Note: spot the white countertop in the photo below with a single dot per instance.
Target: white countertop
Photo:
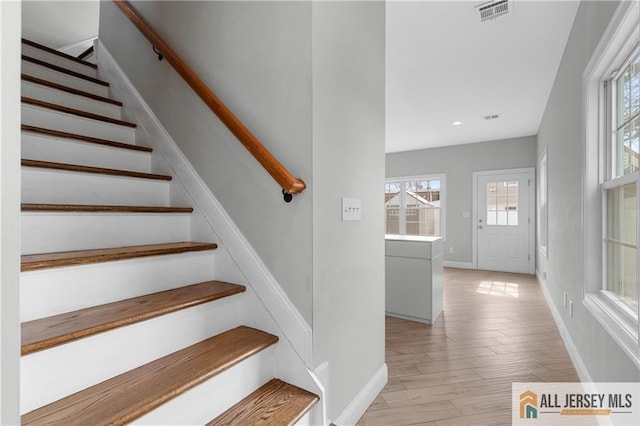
(418, 238)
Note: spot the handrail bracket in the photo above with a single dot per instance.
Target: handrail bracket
(160, 57)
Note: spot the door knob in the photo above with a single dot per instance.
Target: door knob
(479, 226)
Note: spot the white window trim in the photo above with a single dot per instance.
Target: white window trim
(443, 195)
(543, 188)
(617, 41)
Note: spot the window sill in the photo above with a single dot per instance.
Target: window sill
(619, 327)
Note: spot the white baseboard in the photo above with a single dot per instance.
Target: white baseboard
(364, 399)
(409, 318)
(578, 364)
(459, 265)
(287, 317)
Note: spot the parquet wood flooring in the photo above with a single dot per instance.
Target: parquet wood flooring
(496, 329)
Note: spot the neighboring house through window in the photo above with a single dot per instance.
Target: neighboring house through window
(611, 92)
(415, 205)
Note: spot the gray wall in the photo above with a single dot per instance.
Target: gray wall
(561, 132)
(458, 163)
(308, 79)
(47, 22)
(348, 160)
(256, 56)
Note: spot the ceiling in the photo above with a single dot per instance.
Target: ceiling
(444, 65)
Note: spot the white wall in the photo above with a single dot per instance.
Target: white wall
(458, 162)
(256, 56)
(9, 210)
(561, 132)
(308, 79)
(60, 23)
(348, 160)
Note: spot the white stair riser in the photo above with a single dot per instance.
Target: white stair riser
(54, 76)
(50, 148)
(70, 100)
(49, 375)
(213, 397)
(50, 292)
(308, 419)
(54, 59)
(56, 120)
(45, 186)
(52, 232)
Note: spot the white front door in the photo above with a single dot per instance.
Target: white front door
(503, 221)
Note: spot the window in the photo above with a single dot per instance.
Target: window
(543, 215)
(415, 206)
(502, 203)
(611, 92)
(620, 186)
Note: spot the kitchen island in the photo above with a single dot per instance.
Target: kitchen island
(414, 277)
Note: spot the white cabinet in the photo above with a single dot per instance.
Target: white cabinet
(414, 277)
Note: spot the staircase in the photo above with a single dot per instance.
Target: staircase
(123, 319)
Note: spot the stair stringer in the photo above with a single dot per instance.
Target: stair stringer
(265, 305)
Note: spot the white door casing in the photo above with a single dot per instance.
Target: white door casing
(503, 220)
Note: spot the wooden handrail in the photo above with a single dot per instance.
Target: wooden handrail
(289, 183)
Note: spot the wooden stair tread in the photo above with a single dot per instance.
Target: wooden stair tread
(83, 138)
(90, 169)
(275, 403)
(58, 53)
(64, 70)
(36, 80)
(55, 330)
(32, 262)
(126, 397)
(26, 207)
(77, 112)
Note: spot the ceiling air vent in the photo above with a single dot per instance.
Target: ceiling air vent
(493, 9)
(491, 117)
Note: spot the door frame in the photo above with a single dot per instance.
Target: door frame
(532, 212)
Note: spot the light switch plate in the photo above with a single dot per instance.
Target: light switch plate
(351, 209)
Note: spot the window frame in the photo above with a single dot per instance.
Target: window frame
(443, 185)
(613, 302)
(543, 203)
(616, 46)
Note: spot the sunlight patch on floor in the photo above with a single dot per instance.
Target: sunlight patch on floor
(498, 288)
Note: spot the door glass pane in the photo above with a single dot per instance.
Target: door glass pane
(622, 245)
(512, 204)
(502, 203)
(492, 203)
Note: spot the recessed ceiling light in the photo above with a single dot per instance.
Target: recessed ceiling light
(456, 123)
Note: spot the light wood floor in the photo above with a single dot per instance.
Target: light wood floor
(496, 329)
